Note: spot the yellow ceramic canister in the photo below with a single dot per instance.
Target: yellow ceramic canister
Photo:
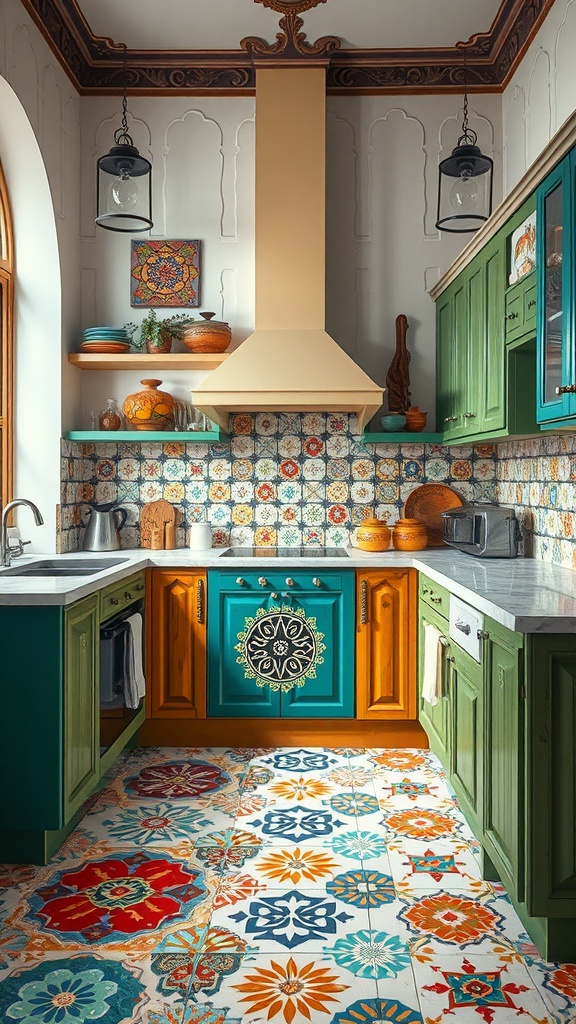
(409, 535)
(373, 535)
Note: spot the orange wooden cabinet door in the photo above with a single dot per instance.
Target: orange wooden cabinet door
(177, 643)
(386, 643)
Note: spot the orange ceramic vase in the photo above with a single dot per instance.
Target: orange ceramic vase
(409, 535)
(207, 335)
(373, 535)
(415, 420)
(150, 409)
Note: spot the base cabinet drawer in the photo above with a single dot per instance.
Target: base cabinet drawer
(279, 644)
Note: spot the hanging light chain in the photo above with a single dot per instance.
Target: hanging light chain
(469, 136)
(122, 135)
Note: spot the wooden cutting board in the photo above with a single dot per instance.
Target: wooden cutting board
(157, 516)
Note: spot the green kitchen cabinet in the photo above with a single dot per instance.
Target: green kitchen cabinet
(467, 735)
(280, 644)
(435, 719)
(504, 782)
(81, 703)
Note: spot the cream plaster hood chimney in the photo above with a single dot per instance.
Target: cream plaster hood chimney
(289, 363)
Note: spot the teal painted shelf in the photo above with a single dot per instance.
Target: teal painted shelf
(403, 436)
(185, 436)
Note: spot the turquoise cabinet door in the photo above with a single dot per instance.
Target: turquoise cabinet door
(280, 648)
(81, 703)
(554, 243)
(504, 787)
(467, 735)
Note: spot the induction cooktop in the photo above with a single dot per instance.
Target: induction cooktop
(304, 552)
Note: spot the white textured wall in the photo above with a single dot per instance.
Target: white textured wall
(542, 93)
(39, 151)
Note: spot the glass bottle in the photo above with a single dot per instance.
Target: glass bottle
(109, 418)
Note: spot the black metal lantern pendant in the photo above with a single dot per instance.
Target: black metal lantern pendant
(124, 182)
(464, 182)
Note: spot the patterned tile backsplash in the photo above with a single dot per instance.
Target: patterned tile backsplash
(297, 479)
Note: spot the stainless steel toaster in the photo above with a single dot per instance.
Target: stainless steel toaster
(487, 531)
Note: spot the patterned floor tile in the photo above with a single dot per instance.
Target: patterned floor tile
(557, 986)
(301, 824)
(445, 921)
(301, 867)
(425, 865)
(284, 920)
(479, 988)
(291, 989)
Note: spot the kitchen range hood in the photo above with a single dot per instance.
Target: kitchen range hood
(289, 363)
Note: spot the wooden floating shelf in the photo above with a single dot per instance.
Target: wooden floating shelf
(114, 436)
(147, 361)
(402, 437)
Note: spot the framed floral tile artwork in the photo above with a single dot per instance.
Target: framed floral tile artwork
(165, 273)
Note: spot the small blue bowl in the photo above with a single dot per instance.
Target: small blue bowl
(393, 422)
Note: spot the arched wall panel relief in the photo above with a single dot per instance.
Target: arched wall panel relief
(515, 145)
(193, 200)
(228, 295)
(539, 119)
(23, 75)
(243, 248)
(564, 67)
(52, 137)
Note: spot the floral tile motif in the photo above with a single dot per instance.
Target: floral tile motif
(303, 866)
(418, 865)
(149, 825)
(176, 780)
(450, 919)
(73, 990)
(299, 824)
(293, 989)
(283, 920)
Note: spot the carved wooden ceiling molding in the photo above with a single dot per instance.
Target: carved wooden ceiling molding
(95, 63)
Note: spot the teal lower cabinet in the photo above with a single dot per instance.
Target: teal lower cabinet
(280, 645)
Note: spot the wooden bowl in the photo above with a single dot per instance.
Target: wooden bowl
(207, 335)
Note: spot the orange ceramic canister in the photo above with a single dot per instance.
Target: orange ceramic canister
(373, 535)
(409, 535)
(150, 409)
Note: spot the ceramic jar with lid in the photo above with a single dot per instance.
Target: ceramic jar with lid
(415, 419)
(207, 335)
(373, 535)
(409, 535)
(150, 409)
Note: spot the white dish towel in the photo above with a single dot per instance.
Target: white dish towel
(135, 683)
(433, 658)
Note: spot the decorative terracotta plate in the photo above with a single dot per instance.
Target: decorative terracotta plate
(105, 346)
(426, 503)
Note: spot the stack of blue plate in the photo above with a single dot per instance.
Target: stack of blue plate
(105, 339)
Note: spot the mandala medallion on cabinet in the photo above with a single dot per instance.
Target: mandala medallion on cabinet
(280, 647)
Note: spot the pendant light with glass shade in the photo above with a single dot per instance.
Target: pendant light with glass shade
(464, 181)
(124, 182)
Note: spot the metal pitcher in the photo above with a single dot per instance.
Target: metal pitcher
(103, 530)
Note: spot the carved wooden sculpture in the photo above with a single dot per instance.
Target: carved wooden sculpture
(398, 378)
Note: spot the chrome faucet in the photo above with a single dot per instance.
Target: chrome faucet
(4, 545)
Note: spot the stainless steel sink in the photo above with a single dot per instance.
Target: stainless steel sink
(60, 567)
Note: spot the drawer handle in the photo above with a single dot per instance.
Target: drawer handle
(436, 600)
(469, 415)
(531, 303)
(114, 600)
(262, 581)
(316, 581)
(569, 389)
(240, 581)
(512, 316)
(139, 588)
(364, 603)
(127, 595)
(289, 581)
(200, 602)
(464, 627)
(450, 419)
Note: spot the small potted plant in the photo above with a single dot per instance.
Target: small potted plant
(156, 335)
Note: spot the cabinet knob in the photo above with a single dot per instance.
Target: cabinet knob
(436, 600)
(450, 419)
(114, 600)
(469, 415)
(317, 581)
(569, 389)
(512, 316)
(240, 581)
(531, 303)
(262, 581)
(289, 581)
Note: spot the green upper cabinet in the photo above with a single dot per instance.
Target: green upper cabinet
(470, 348)
(555, 237)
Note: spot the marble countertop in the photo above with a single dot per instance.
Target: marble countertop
(524, 594)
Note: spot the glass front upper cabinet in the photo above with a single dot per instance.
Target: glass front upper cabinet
(555, 235)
